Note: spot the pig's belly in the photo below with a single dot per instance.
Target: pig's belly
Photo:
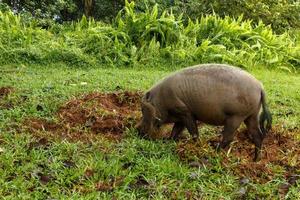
(211, 116)
(216, 113)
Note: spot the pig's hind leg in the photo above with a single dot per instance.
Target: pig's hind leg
(231, 125)
(257, 136)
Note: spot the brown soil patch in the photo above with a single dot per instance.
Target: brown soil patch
(5, 91)
(280, 155)
(109, 114)
(89, 116)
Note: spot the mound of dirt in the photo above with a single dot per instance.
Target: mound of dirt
(280, 155)
(95, 113)
(110, 112)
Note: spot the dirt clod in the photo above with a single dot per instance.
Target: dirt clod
(69, 164)
(5, 91)
(88, 173)
(44, 179)
(106, 186)
(42, 142)
(140, 182)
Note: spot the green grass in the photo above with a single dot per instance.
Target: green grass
(148, 169)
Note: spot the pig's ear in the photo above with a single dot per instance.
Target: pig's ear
(148, 110)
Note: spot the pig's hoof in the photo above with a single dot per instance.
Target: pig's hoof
(195, 138)
(257, 158)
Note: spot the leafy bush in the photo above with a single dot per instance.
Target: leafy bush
(281, 15)
(147, 38)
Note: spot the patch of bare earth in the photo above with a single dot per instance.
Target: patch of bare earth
(109, 114)
(4, 92)
(280, 155)
(90, 116)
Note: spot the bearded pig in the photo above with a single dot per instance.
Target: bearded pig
(216, 94)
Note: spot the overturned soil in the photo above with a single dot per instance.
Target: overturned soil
(280, 155)
(109, 114)
(83, 118)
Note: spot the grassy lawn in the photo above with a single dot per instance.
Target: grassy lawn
(130, 167)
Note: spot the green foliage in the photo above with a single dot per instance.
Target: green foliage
(46, 9)
(281, 15)
(142, 27)
(65, 10)
(147, 38)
